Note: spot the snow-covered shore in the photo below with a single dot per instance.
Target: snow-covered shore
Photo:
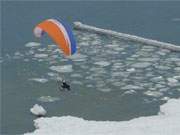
(167, 122)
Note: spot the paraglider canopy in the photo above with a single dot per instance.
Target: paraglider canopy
(61, 34)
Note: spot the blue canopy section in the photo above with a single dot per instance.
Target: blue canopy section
(71, 37)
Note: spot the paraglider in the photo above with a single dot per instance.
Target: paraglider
(60, 33)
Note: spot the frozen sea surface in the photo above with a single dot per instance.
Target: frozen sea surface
(108, 64)
(167, 122)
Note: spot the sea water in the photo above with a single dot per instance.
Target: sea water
(111, 79)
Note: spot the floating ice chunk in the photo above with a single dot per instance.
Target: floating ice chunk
(62, 69)
(83, 44)
(77, 82)
(163, 67)
(177, 77)
(90, 86)
(78, 57)
(56, 51)
(118, 49)
(141, 65)
(95, 42)
(31, 52)
(100, 84)
(157, 86)
(154, 93)
(102, 63)
(52, 74)
(177, 68)
(41, 55)
(105, 89)
(112, 45)
(52, 46)
(161, 53)
(48, 99)
(76, 75)
(26, 60)
(18, 55)
(41, 49)
(131, 70)
(178, 63)
(32, 44)
(165, 123)
(132, 87)
(148, 59)
(174, 59)
(117, 84)
(165, 98)
(38, 110)
(54, 56)
(41, 80)
(157, 79)
(130, 92)
(172, 80)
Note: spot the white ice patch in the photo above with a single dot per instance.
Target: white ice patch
(77, 82)
(48, 99)
(78, 57)
(132, 87)
(153, 93)
(76, 75)
(18, 55)
(149, 59)
(41, 80)
(167, 122)
(41, 49)
(102, 63)
(157, 79)
(52, 74)
(38, 110)
(172, 81)
(32, 44)
(105, 89)
(41, 55)
(130, 92)
(131, 70)
(62, 69)
(141, 65)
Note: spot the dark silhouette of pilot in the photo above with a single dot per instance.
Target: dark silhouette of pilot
(63, 85)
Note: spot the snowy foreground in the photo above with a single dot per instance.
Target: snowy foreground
(167, 122)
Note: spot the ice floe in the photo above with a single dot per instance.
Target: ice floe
(132, 87)
(62, 69)
(41, 80)
(167, 122)
(41, 55)
(78, 57)
(130, 92)
(102, 63)
(48, 99)
(131, 70)
(153, 93)
(141, 65)
(32, 44)
(38, 110)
